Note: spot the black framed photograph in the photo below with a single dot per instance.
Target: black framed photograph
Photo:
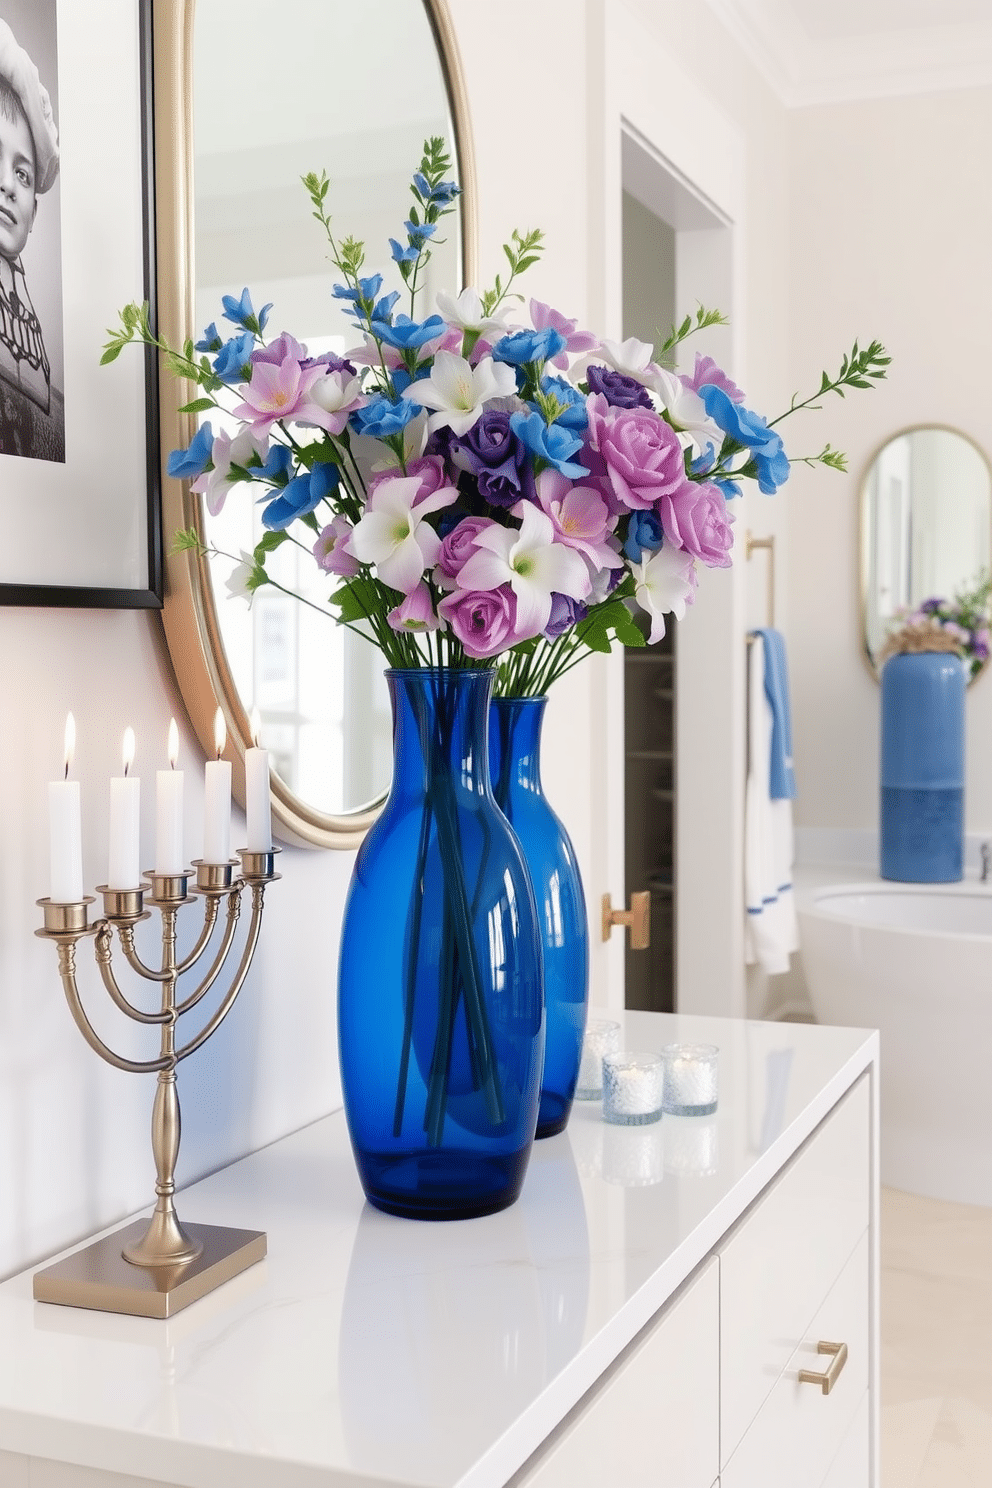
(79, 445)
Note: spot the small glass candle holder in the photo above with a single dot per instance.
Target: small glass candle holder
(632, 1088)
(601, 1037)
(690, 1079)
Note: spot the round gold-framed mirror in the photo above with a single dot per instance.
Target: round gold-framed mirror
(195, 615)
(925, 530)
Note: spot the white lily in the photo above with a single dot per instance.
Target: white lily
(457, 391)
(393, 534)
(664, 584)
(531, 562)
(236, 582)
(466, 313)
(686, 409)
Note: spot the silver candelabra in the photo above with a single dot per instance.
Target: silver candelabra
(155, 1269)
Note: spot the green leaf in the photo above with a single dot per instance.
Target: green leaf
(198, 405)
(270, 542)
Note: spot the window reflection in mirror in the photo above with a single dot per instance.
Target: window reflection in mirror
(926, 526)
(360, 109)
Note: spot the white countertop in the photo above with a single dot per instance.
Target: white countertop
(369, 1350)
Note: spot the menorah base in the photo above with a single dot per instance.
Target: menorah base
(100, 1278)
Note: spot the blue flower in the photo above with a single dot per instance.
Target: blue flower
(301, 495)
(576, 415)
(367, 289)
(189, 463)
(405, 334)
(419, 232)
(644, 534)
(750, 431)
(552, 444)
(383, 309)
(276, 466)
(410, 254)
(232, 362)
(444, 193)
(242, 312)
(212, 339)
(529, 346)
(380, 418)
(729, 488)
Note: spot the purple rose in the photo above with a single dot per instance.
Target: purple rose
(696, 519)
(565, 612)
(430, 469)
(484, 620)
(494, 455)
(459, 544)
(619, 390)
(641, 453)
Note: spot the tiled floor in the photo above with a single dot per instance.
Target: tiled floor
(936, 1343)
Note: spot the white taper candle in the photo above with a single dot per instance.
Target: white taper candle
(65, 832)
(124, 871)
(169, 812)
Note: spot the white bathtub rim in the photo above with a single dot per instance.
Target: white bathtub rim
(963, 889)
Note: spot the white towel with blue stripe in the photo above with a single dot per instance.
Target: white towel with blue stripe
(771, 931)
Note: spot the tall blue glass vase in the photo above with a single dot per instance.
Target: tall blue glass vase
(440, 1002)
(515, 761)
(922, 768)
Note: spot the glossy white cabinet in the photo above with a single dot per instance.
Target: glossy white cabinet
(578, 1329)
(655, 1417)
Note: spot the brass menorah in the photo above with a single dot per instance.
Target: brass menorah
(155, 1269)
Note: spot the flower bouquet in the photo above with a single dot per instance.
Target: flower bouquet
(960, 624)
(491, 492)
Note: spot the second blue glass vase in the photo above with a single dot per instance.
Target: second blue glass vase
(515, 761)
(440, 1004)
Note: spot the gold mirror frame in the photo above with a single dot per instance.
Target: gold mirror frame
(189, 616)
(864, 562)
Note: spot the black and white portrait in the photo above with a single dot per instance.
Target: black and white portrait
(32, 408)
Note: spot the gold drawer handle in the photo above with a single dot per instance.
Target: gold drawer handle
(831, 1374)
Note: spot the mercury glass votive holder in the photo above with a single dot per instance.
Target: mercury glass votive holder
(601, 1037)
(691, 1084)
(632, 1088)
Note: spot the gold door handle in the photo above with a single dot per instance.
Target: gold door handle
(831, 1374)
(637, 918)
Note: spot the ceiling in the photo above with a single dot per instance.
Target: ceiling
(830, 51)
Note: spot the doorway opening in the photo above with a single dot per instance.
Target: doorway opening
(676, 253)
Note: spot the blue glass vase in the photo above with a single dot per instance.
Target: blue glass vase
(440, 1003)
(922, 768)
(515, 761)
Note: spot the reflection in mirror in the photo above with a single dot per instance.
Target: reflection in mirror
(926, 526)
(318, 688)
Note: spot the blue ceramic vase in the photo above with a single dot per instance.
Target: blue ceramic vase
(515, 761)
(440, 1004)
(922, 768)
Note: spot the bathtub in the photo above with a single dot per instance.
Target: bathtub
(915, 962)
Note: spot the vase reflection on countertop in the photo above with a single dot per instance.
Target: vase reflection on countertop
(424, 1342)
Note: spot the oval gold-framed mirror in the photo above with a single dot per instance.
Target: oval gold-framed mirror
(925, 528)
(193, 618)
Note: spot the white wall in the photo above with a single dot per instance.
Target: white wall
(891, 218)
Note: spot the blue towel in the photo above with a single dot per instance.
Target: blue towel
(782, 781)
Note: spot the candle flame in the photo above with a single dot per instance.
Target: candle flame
(256, 727)
(173, 744)
(127, 750)
(70, 741)
(220, 732)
